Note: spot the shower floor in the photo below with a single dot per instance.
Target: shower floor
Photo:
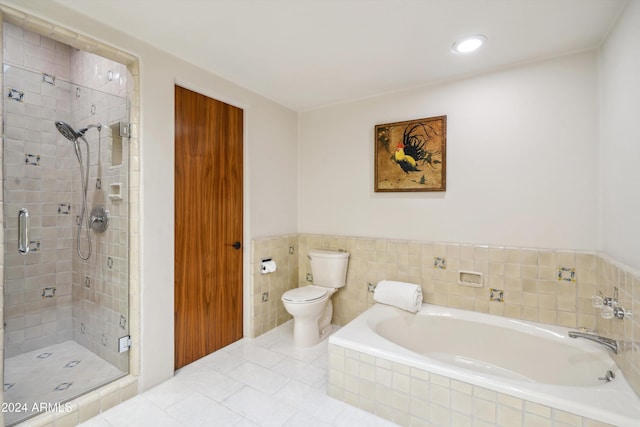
(52, 374)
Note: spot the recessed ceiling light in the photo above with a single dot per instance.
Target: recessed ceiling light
(469, 43)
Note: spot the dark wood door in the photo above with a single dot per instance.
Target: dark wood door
(208, 225)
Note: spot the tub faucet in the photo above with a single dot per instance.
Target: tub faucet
(607, 342)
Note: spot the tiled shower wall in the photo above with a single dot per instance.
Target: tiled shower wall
(38, 177)
(90, 303)
(548, 286)
(100, 284)
(106, 397)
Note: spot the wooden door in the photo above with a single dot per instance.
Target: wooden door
(208, 225)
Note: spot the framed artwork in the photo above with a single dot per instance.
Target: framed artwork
(411, 155)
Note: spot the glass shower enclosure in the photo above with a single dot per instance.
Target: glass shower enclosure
(66, 241)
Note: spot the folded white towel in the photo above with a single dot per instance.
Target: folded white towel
(406, 296)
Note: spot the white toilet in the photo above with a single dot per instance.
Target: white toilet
(311, 305)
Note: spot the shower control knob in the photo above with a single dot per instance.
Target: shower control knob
(99, 219)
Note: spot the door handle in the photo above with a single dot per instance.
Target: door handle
(23, 231)
(236, 245)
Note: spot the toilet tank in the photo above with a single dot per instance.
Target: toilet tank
(329, 268)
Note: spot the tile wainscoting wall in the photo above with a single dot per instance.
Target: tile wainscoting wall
(548, 286)
(266, 315)
(612, 274)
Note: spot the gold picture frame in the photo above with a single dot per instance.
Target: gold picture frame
(411, 155)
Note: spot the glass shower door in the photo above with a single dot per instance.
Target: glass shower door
(66, 294)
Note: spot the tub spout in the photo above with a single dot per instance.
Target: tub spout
(607, 342)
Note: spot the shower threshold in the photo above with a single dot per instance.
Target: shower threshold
(43, 380)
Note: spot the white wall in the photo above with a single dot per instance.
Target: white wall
(620, 139)
(522, 161)
(269, 128)
(271, 133)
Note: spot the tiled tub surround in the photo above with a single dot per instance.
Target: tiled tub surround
(412, 396)
(548, 286)
(612, 275)
(528, 277)
(373, 358)
(98, 400)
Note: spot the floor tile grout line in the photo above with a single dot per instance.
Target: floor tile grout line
(313, 402)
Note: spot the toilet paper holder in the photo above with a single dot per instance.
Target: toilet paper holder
(267, 266)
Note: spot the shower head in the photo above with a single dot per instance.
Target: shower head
(68, 132)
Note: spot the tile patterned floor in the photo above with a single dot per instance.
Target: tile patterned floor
(265, 381)
(52, 374)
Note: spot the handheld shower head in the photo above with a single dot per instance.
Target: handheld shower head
(72, 135)
(68, 132)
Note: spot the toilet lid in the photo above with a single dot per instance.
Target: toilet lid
(304, 294)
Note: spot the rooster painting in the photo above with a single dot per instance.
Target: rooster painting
(412, 148)
(406, 162)
(416, 154)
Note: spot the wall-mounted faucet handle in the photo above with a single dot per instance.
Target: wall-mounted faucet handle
(99, 219)
(597, 301)
(621, 313)
(606, 312)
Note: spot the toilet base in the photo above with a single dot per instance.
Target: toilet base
(305, 333)
(309, 332)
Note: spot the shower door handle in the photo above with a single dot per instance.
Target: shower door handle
(23, 231)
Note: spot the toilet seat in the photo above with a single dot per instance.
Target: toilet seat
(305, 294)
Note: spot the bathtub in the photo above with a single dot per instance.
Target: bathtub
(444, 366)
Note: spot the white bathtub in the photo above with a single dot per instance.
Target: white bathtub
(531, 361)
